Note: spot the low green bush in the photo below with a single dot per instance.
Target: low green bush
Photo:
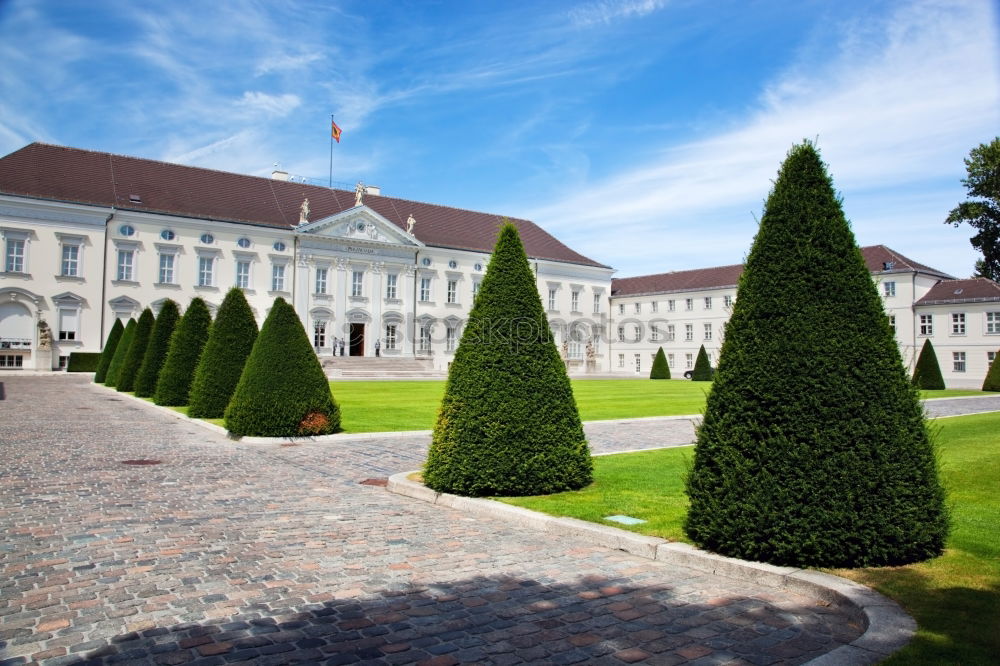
(927, 372)
(660, 369)
(83, 361)
(992, 381)
(702, 367)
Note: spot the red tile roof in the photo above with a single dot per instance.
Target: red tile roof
(878, 258)
(972, 290)
(81, 176)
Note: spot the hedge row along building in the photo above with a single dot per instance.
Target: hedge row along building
(91, 237)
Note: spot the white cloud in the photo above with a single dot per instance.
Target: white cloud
(284, 62)
(608, 11)
(275, 106)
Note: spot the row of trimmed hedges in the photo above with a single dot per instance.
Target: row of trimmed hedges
(83, 361)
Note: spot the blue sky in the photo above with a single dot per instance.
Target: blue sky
(643, 133)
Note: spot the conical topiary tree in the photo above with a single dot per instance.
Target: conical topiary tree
(229, 343)
(813, 450)
(156, 350)
(702, 367)
(927, 372)
(660, 369)
(136, 351)
(109, 351)
(174, 382)
(283, 391)
(508, 424)
(992, 381)
(115, 367)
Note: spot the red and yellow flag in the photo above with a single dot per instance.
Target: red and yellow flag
(334, 131)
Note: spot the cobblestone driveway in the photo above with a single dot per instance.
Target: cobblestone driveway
(226, 552)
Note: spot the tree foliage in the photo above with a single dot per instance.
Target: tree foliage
(282, 391)
(927, 372)
(983, 212)
(108, 353)
(992, 381)
(229, 344)
(813, 450)
(124, 342)
(508, 424)
(702, 367)
(660, 369)
(156, 350)
(186, 343)
(136, 351)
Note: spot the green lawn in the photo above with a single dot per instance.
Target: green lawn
(955, 598)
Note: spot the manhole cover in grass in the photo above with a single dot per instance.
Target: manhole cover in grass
(141, 461)
(375, 482)
(625, 520)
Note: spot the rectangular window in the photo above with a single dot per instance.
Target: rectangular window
(425, 289)
(637, 334)
(390, 336)
(671, 333)
(708, 331)
(475, 291)
(357, 283)
(15, 256)
(126, 264)
(319, 334)
(391, 280)
(68, 324)
(621, 334)
(654, 306)
(166, 275)
(321, 275)
(552, 299)
(689, 332)
(206, 273)
(689, 304)
(889, 288)
(425, 338)
(958, 323)
(11, 361)
(453, 291)
(892, 323)
(654, 333)
(621, 360)
(621, 308)
(670, 360)
(992, 322)
(688, 361)
(638, 308)
(671, 305)
(927, 325)
(597, 304)
(990, 357)
(278, 277)
(727, 301)
(708, 302)
(449, 338)
(638, 362)
(71, 260)
(243, 274)
(958, 361)
(574, 301)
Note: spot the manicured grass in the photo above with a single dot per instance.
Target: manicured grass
(955, 598)
(954, 393)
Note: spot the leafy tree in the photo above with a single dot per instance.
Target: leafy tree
(927, 372)
(702, 367)
(115, 367)
(813, 450)
(982, 213)
(660, 369)
(229, 344)
(108, 352)
(186, 343)
(508, 424)
(283, 391)
(133, 359)
(992, 381)
(156, 350)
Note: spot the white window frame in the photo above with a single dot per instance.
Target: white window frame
(688, 332)
(357, 284)
(450, 338)
(992, 323)
(670, 360)
(206, 270)
(958, 323)
(425, 289)
(889, 288)
(671, 333)
(689, 304)
(242, 279)
(319, 333)
(69, 333)
(621, 308)
(892, 323)
(163, 271)
(708, 330)
(621, 360)
(654, 333)
(621, 334)
(574, 301)
(708, 302)
(654, 306)
(638, 308)
(69, 266)
(391, 285)
(597, 303)
(452, 293)
(424, 342)
(688, 361)
(927, 325)
(958, 361)
(15, 255)
(125, 270)
(671, 305)
(727, 301)
(552, 300)
(322, 280)
(637, 333)
(278, 276)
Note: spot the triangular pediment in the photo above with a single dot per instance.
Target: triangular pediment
(359, 224)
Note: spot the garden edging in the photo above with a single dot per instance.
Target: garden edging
(887, 627)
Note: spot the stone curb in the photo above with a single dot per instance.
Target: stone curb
(887, 627)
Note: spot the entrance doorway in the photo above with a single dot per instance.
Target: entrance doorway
(357, 340)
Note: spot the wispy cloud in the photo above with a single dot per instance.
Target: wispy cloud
(608, 11)
(275, 106)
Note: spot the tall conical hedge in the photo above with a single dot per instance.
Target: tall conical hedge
(660, 369)
(283, 391)
(813, 450)
(508, 424)
(136, 351)
(108, 352)
(229, 343)
(992, 381)
(186, 343)
(702, 367)
(156, 350)
(927, 372)
(115, 367)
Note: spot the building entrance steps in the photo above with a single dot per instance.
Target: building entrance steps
(379, 367)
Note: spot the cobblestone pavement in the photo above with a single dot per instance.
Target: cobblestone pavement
(226, 552)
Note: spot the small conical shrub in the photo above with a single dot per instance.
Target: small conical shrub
(109, 351)
(813, 450)
(115, 367)
(136, 351)
(508, 424)
(283, 391)
(156, 350)
(186, 343)
(660, 369)
(927, 372)
(229, 344)
(992, 381)
(702, 367)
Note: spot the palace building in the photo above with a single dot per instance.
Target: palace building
(90, 237)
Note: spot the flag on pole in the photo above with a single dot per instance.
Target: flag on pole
(334, 131)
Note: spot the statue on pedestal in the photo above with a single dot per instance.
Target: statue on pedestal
(304, 212)
(44, 336)
(359, 193)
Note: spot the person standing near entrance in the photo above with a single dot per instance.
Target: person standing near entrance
(378, 346)
(341, 346)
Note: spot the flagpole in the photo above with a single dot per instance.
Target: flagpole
(331, 152)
